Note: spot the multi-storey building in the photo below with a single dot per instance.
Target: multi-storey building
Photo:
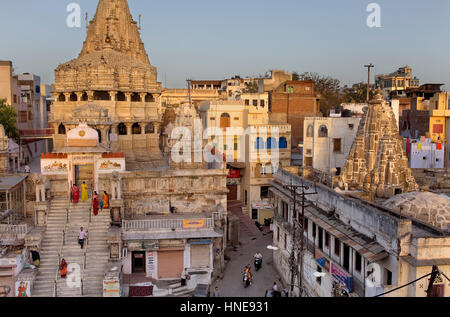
(397, 82)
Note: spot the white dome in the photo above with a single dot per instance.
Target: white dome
(82, 136)
(425, 206)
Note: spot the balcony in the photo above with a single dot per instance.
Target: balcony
(13, 234)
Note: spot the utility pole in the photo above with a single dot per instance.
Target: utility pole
(368, 81)
(434, 275)
(298, 247)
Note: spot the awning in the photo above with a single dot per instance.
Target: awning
(9, 182)
(372, 251)
(13, 147)
(194, 234)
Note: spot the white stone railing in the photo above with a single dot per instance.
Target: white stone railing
(164, 224)
(19, 231)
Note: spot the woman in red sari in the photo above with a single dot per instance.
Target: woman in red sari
(63, 268)
(95, 206)
(75, 194)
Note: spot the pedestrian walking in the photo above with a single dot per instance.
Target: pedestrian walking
(184, 277)
(81, 237)
(216, 292)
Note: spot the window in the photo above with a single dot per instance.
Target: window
(282, 144)
(136, 128)
(320, 238)
(263, 103)
(271, 143)
(254, 214)
(346, 263)
(327, 239)
(337, 145)
(264, 192)
(225, 120)
(245, 197)
(337, 247)
(438, 128)
(310, 131)
(290, 89)
(255, 103)
(149, 128)
(122, 129)
(314, 231)
(358, 260)
(247, 102)
(259, 144)
(285, 241)
(30, 115)
(388, 277)
(15, 98)
(306, 225)
(323, 131)
(23, 116)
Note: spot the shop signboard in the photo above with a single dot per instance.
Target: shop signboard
(342, 277)
(23, 289)
(322, 260)
(111, 288)
(194, 224)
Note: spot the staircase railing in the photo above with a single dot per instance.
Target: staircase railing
(85, 253)
(63, 243)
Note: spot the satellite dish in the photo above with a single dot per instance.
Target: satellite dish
(272, 247)
(319, 274)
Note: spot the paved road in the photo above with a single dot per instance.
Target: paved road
(231, 285)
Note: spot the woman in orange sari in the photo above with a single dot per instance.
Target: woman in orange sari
(105, 200)
(63, 268)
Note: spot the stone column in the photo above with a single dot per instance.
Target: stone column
(143, 94)
(90, 94)
(143, 125)
(156, 126)
(79, 96)
(67, 95)
(128, 96)
(129, 128)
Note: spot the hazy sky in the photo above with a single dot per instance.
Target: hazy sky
(211, 39)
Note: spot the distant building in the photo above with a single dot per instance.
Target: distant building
(439, 106)
(291, 102)
(397, 82)
(327, 143)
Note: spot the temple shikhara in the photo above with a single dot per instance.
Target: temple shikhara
(377, 163)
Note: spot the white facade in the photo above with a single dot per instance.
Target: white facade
(327, 142)
(425, 154)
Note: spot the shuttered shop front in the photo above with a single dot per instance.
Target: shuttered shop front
(200, 253)
(170, 263)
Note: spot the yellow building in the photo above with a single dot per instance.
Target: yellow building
(439, 120)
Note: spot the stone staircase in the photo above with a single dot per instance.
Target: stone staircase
(91, 262)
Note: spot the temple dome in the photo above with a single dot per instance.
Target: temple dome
(428, 207)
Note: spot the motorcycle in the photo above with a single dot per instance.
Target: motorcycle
(258, 263)
(246, 280)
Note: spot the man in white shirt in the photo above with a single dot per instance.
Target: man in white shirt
(81, 237)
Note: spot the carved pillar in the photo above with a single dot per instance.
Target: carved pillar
(90, 94)
(156, 126)
(79, 96)
(67, 96)
(128, 96)
(143, 94)
(143, 125)
(129, 128)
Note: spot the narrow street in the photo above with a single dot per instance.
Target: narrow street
(251, 241)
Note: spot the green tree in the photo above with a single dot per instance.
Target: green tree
(250, 88)
(327, 87)
(8, 118)
(358, 93)
(295, 76)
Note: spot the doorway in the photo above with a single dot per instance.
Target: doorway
(84, 173)
(138, 262)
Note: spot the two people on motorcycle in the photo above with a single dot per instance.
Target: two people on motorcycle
(248, 273)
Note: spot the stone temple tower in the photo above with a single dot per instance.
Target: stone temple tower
(111, 86)
(377, 163)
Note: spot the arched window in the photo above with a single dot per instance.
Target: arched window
(62, 98)
(122, 128)
(149, 128)
(149, 98)
(259, 144)
(101, 95)
(84, 97)
(225, 121)
(283, 143)
(136, 129)
(323, 131)
(120, 96)
(135, 97)
(73, 97)
(61, 129)
(310, 131)
(271, 143)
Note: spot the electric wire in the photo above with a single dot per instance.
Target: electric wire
(395, 289)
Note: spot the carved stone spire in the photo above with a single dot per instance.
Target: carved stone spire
(377, 163)
(114, 28)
